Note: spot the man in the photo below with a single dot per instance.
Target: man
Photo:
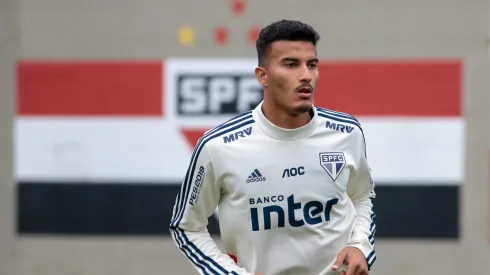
(291, 181)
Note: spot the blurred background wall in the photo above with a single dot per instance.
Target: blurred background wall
(97, 137)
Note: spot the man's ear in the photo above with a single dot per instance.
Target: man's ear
(261, 75)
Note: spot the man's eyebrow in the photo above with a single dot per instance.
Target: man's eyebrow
(289, 59)
(292, 59)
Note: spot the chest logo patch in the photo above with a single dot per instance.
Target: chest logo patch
(333, 163)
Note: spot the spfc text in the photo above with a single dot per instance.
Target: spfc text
(217, 94)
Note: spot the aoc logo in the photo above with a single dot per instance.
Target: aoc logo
(333, 163)
(293, 172)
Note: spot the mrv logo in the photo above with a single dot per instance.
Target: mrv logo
(339, 127)
(240, 134)
(217, 93)
(314, 212)
(333, 163)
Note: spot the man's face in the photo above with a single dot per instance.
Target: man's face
(292, 75)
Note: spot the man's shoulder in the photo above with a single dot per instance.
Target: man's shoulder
(338, 121)
(230, 130)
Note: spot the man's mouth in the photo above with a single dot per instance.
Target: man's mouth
(305, 91)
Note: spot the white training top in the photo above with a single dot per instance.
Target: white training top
(288, 199)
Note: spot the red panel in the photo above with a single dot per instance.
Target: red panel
(58, 88)
(391, 88)
(193, 135)
(234, 258)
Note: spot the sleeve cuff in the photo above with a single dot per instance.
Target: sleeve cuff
(367, 250)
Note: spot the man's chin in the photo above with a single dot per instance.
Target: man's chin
(303, 107)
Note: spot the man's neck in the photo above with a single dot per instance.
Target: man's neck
(283, 119)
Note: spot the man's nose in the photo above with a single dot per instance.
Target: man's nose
(305, 74)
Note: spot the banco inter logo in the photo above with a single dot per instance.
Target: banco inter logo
(255, 177)
(217, 93)
(313, 212)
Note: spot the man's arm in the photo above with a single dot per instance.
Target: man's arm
(198, 198)
(361, 191)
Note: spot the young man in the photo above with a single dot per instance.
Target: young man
(293, 190)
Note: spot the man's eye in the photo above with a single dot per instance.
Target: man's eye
(290, 65)
(313, 65)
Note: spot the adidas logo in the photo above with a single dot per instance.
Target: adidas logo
(255, 177)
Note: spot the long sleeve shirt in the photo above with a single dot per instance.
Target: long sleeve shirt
(288, 200)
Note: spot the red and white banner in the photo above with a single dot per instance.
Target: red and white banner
(138, 120)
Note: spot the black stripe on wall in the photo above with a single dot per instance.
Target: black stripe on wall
(145, 209)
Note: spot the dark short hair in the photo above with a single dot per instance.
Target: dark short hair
(288, 30)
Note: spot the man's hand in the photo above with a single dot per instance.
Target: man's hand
(354, 259)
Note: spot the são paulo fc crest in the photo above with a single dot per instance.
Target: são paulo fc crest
(333, 163)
